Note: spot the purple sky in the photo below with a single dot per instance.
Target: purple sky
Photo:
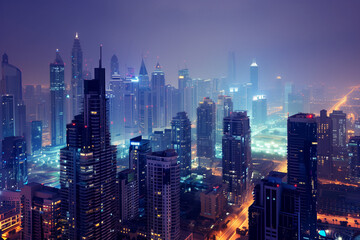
(304, 41)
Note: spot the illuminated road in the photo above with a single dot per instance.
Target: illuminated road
(238, 221)
(343, 100)
(325, 181)
(333, 219)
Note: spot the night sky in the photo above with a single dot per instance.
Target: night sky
(304, 41)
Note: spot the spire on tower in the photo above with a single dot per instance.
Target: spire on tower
(100, 56)
(143, 70)
(76, 35)
(158, 67)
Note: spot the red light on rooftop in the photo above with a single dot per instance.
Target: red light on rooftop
(73, 124)
(309, 116)
(277, 185)
(295, 185)
(85, 126)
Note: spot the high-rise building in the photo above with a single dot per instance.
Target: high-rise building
(205, 129)
(8, 116)
(172, 106)
(295, 103)
(288, 89)
(116, 108)
(137, 161)
(114, 65)
(77, 81)
(324, 147)
(302, 168)
(259, 109)
(254, 79)
(129, 196)
(11, 84)
(338, 120)
(184, 82)
(10, 215)
(158, 97)
(181, 141)
(275, 212)
(57, 94)
(88, 168)
(40, 212)
(224, 108)
(231, 75)
(36, 136)
(163, 195)
(160, 140)
(145, 107)
(236, 160)
(14, 171)
(354, 157)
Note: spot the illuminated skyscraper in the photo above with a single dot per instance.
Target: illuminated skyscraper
(114, 65)
(158, 97)
(163, 195)
(145, 107)
(254, 79)
(302, 169)
(236, 149)
(13, 164)
(259, 110)
(8, 116)
(129, 195)
(88, 168)
(36, 136)
(338, 120)
(57, 94)
(205, 129)
(77, 82)
(354, 156)
(324, 147)
(181, 141)
(224, 107)
(143, 76)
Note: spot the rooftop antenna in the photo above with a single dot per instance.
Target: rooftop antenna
(100, 56)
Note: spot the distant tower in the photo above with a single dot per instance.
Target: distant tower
(338, 120)
(354, 155)
(145, 106)
(231, 77)
(254, 79)
(158, 97)
(181, 141)
(205, 128)
(302, 169)
(236, 149)
(8, 116)
(13, 164)
(36, 136)
(88, 168)
(57, 94)
(163, 195)
(77, 81)
(259, 109)
(114, 65)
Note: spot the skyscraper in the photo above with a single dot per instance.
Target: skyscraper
(8, 116)
(275, 212)
(160, 140)
(129, 195)
(36, 136)
(145, 106)
(181, 141)
(158, 97)
(354, 156)
(77, 82)
(163, 195)
(114, 65)
(57, 94)
(205, 129)
(259, 109)
(184, 81)
(302, 168)
(172, 103)
(137, 161)
(88, 168)
(338, 120)
(224, 107)
(13, 165)
(254, 79)
(324, 147)
(11, 84)
(236, 149)
(40, 212)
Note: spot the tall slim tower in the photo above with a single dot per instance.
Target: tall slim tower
(338, 120)
(145, 106)
(158, 97)
(205, 129)
(224, 107)
(236, 148)
(77, 82)
(324, 147)
(163, 195)
(114, 65)
(181, 141)
(254, 79)
(57, 94)
(8, 116)
(88, 168)
(302, 168)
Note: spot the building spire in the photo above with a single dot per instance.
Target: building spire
(76, 35)
(100, 56)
